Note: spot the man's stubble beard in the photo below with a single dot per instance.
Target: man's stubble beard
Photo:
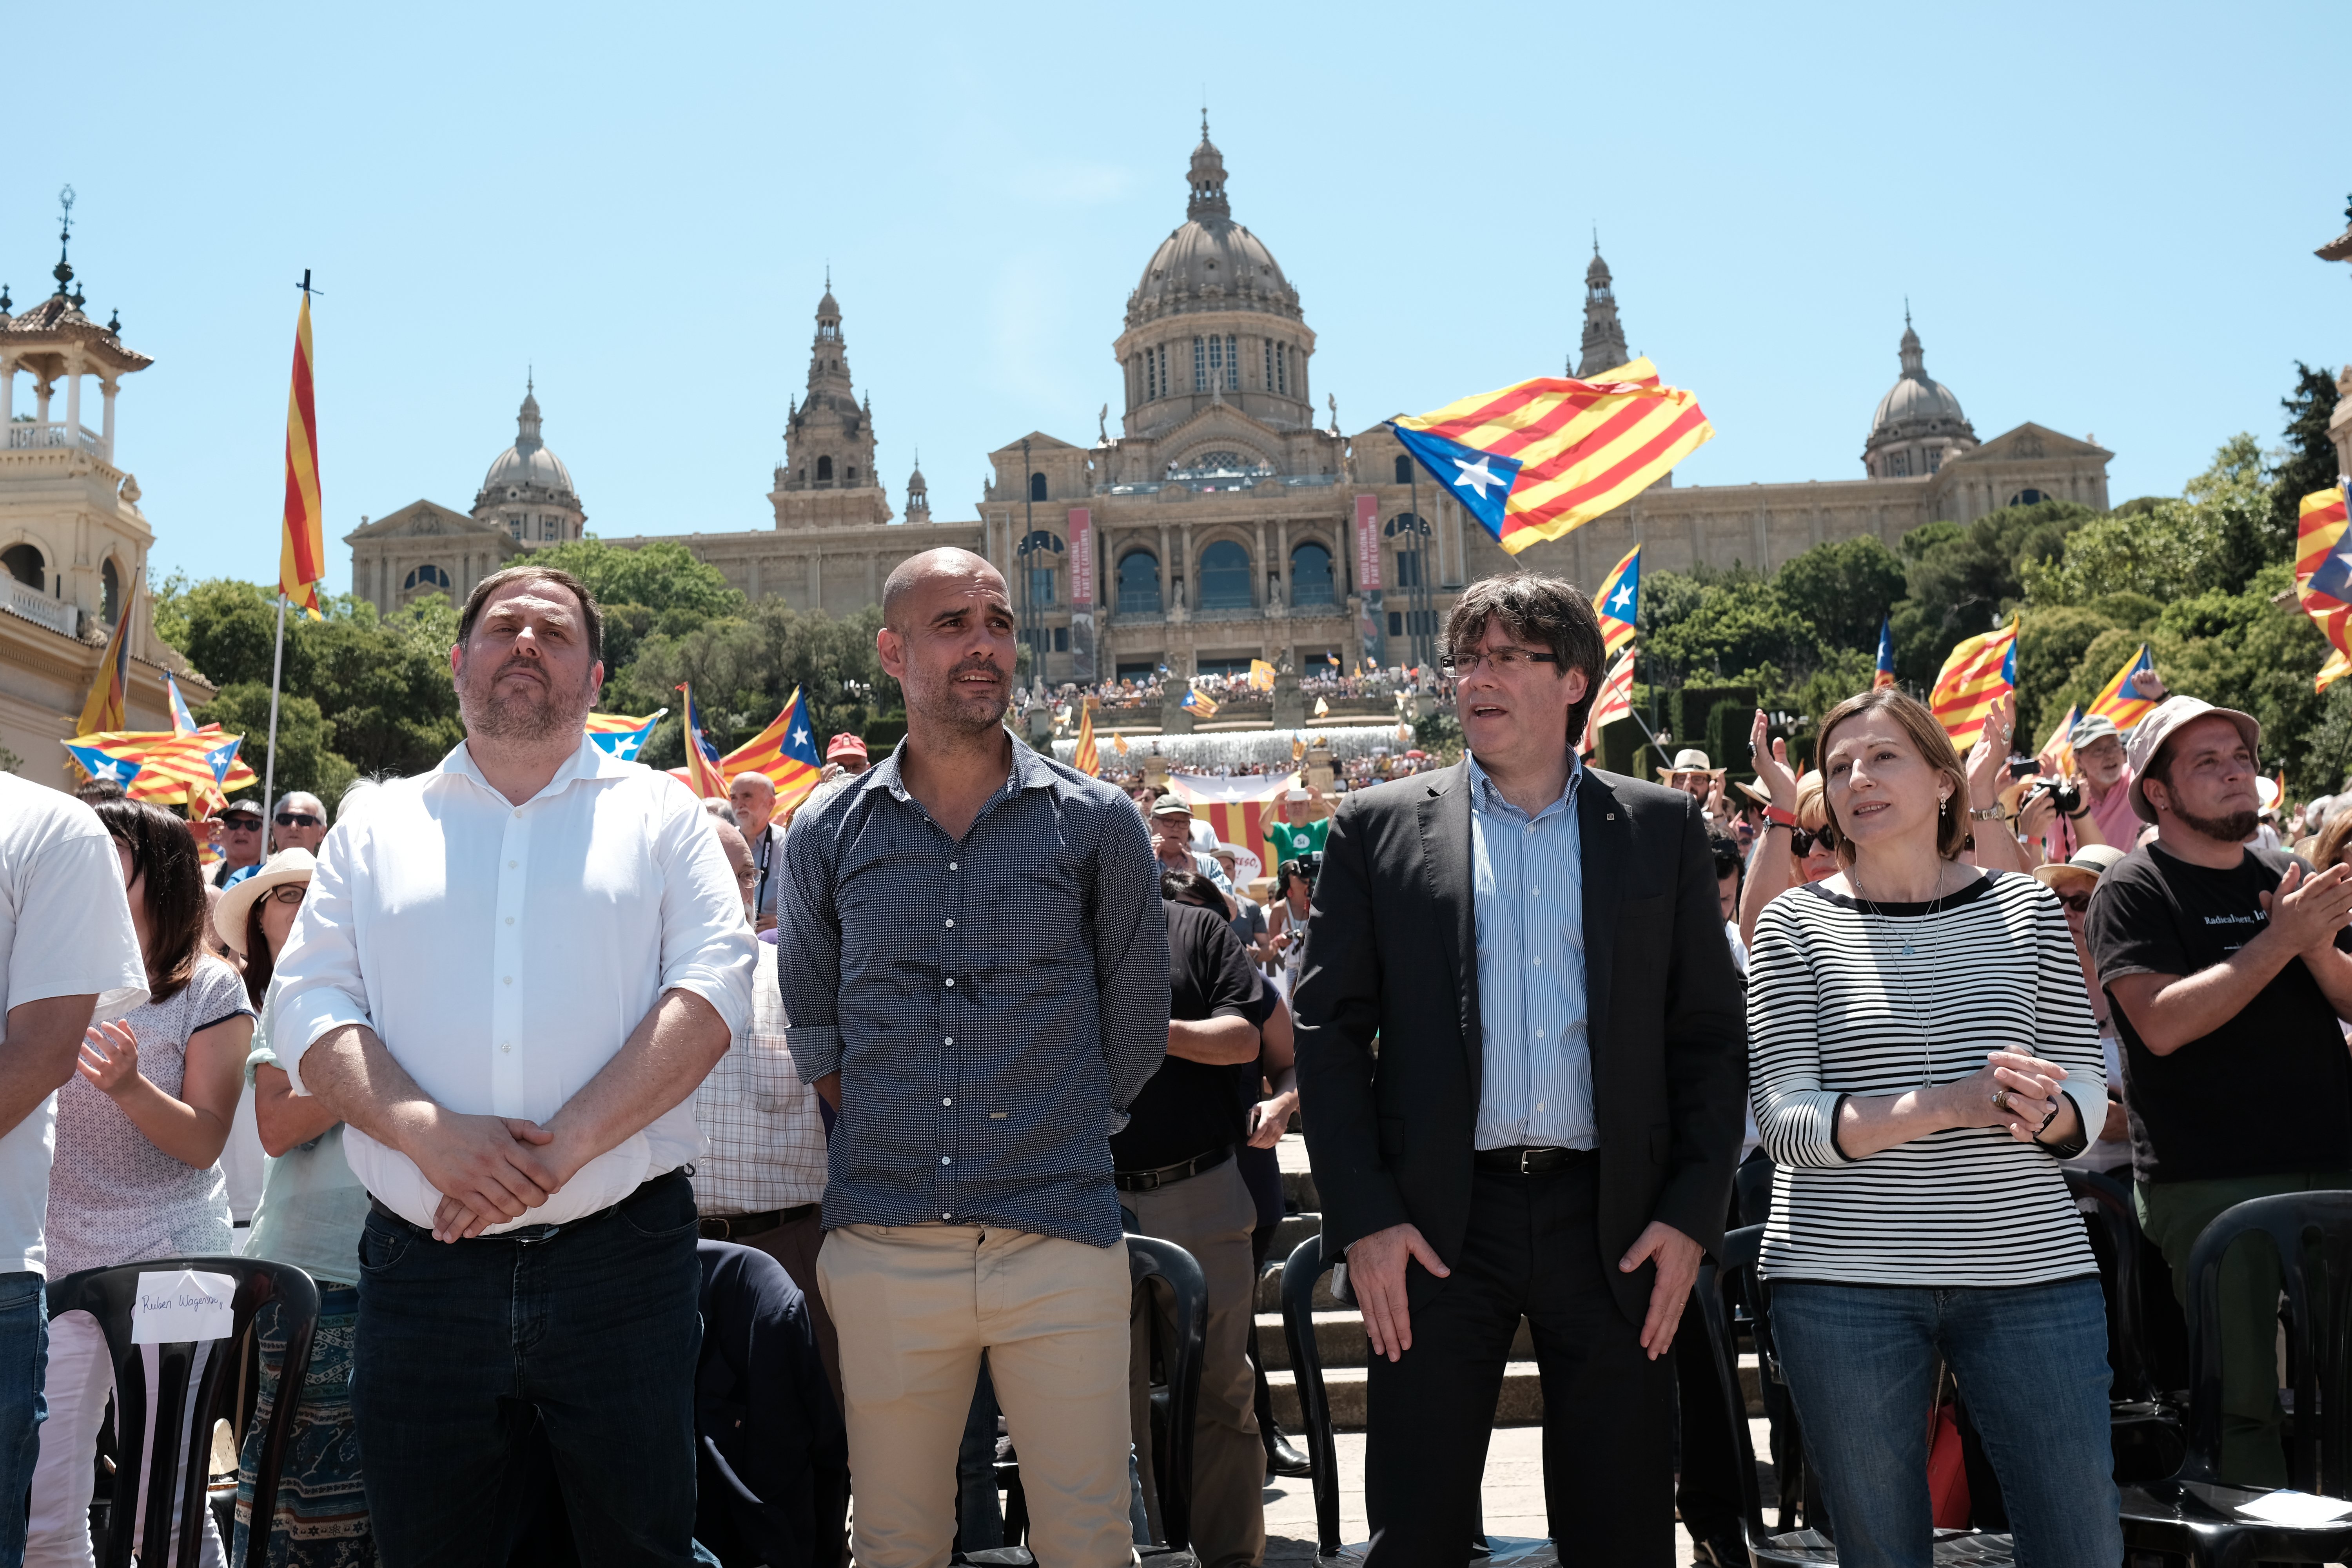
(939, 707)
(2234, 828)
(521, 717)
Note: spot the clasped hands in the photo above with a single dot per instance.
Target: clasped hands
(489, 1169)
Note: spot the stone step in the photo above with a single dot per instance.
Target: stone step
(1293, 1229)
(1298, 1193)
(1269, 1288)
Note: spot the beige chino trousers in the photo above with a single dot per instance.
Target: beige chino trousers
(915, 1306)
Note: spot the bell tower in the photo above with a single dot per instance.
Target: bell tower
(827, 479)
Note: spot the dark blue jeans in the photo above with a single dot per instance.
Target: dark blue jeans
(590, 1328)
(2031, 1362)
(24, 1358)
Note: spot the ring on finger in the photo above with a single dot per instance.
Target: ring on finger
(2001, 1099)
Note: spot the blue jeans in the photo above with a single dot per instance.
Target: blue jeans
(24, 1358)
(2031, 1362)
(591, 1333)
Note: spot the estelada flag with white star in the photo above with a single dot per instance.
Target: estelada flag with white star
(182, 722)
(2119, 702)
(622, 736)
(163, 767)
(1616, 703)
(785, 750)
(1979, 672)
(2323, 576)
(1536, 460)
(701, 773)
(1884, 676)
(1617, 601)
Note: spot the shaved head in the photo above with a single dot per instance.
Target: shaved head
(931, 566)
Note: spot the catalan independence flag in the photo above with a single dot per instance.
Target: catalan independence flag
(2323, 576)
(2117, 701)
(109, 694)
(1198, 703)
(1616, 703)
(1884, 674)
(182, 722)
(1979, 672)
(1085, 758)
(1617, 601)
(2060, 742)
(619, 735)
(702, 772)
(1533, 461)
(302, 551)
(785, 751)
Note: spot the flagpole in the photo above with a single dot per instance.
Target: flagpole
(269, 757)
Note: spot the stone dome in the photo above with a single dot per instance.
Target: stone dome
(1211, 263)
(1917, 405)
(528, 464)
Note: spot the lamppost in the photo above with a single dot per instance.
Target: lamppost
(1032, 615)
(1420, 619)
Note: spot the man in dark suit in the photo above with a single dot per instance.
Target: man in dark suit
(1549, 1122)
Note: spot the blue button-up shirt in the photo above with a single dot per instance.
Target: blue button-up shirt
(1528, 893)
(993, 1003)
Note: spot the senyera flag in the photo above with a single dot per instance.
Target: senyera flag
(302, 551)
(619, 735)
(785, 751)
(1085, 758)
(2323, 576)
(2061, 744)
(702, 772)
(1979, 673)
(1884, 674)
(2119, 702)
(1616, 703)
(1534, 460)
(1617, 601)
(1240, 810)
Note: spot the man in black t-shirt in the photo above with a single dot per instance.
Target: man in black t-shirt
(2228, 972)
(1176, 1174)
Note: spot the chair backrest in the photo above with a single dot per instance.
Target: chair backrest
(1154, 1264)
(113, 1297)
(2311, 1235)
(2112, 1212)
(1299, 1277)
(1752, 1188)
(1737, 1259)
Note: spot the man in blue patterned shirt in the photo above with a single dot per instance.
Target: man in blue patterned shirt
(974, 962)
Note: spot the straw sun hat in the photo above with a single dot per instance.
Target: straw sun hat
(229, 915)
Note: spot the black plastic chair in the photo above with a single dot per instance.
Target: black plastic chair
(2194, 1515)
(106, 1295)
(1806, 1547)
(2146, 1428)
(1167, 1270)
(1301, 1275)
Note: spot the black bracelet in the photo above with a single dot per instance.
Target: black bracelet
(2057, 1107)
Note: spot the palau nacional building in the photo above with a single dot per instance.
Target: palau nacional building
(1220, 523)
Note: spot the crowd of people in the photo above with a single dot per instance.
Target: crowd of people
(705, 1179)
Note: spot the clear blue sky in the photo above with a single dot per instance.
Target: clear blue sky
(2102, 217)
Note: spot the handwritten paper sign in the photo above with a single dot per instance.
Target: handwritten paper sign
(187, 1305)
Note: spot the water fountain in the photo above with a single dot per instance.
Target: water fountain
(1237, 749)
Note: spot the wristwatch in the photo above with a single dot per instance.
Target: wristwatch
(1993, 812)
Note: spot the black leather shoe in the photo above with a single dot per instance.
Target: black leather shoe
(1726, 1551)
(1281, 1458)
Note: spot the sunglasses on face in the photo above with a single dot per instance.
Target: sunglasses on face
(2078, 902)
(296, 819)
(240, 824)
(1802, 839)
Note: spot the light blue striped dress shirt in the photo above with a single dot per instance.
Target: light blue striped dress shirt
(1527, 889)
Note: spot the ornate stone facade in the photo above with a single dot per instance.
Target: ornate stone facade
(1222, 525)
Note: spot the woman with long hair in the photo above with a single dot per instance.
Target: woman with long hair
(311, 1212)
(1922, 1058)
(140, 1130)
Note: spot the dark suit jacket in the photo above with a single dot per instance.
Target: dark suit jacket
(1391, 956)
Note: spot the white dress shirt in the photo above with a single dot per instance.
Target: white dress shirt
(504, 952)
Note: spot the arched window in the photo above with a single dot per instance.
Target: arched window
(1404, 469)
(426, 576)
(24, 564)
(2027, 498)
(1139, 584)
(823, 470)
(109, 591)
(1224, 577)
(849, 475)
(1310, 575)
(1036, 487)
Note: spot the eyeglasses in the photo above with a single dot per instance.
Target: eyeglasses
(289, 892)
(1501, 660)
(297, 819)
(2078, 902)
(239, 825)
(1802, 839)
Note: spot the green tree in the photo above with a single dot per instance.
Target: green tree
(2310, 457)
(1736, 631)
(653, 588)
(1963, 579)
(306, 756)
(2050, 644)
(2216, 536)
(743, 668)
(1843, 588)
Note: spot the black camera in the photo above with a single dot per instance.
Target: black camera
(2064, 793)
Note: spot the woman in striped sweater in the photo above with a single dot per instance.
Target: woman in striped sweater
(1922, 1058)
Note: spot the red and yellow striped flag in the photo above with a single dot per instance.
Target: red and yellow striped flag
(1535, 460)
(1979, 672)
(109, 694)
(1614, 702)
(1085, 759)
(1616, 603)
(302, 551)
(2119, 702)
(2323, 577)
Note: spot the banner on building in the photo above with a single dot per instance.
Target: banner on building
(1368, 581)
(1082, 594)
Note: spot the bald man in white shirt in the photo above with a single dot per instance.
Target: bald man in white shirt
(510, 975)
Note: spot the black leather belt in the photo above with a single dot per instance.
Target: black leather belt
(1167, 1176)
(1528, 1162)
(526, 1233)
(735, 1227)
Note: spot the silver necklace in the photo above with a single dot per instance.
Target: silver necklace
(1881, 919)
